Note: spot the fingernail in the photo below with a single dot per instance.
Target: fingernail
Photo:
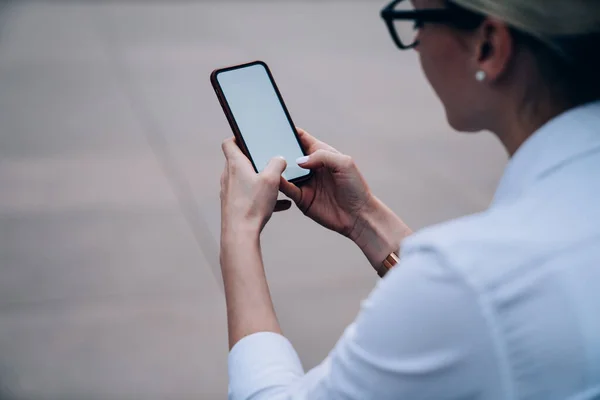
(302, 160)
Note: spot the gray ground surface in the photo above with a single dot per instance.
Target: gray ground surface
(107, 273)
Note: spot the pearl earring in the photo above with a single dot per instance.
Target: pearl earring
(480, 76)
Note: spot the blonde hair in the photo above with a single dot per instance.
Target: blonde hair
(543, 19)
(571, 28)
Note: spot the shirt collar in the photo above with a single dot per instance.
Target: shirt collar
(564, 138)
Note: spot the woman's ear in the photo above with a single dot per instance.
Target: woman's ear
(494, 48)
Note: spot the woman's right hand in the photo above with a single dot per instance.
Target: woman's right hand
(336, 194)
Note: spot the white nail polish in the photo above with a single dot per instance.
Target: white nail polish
(302, 160)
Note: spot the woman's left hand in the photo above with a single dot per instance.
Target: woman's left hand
(248, 199)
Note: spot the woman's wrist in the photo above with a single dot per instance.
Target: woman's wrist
(244, 228)
(378, 231)
(241, 234)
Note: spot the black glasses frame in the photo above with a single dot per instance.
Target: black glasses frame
(453, 16)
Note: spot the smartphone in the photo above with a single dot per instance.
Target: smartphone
(259, 118)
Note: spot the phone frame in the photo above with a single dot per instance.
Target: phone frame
(233, 124)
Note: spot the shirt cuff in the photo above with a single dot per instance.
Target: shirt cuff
(262, 361)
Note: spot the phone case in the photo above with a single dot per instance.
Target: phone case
(234, 127)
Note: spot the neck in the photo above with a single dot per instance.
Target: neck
(518, 124)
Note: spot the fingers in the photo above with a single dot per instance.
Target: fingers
(326, 159)
(290, 190)
(272, 172)
(282, 205)
(305, 138)
(275, 168)
(228, 146)
(311, 144)
(232, 151)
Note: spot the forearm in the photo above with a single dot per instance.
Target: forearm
(249, 305)
(379, 232)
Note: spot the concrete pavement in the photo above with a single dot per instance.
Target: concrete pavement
(109, 171)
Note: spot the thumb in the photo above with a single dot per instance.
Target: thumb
(325, 159)
(275, 167)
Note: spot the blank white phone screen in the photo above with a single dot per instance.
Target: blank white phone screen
(260, 118)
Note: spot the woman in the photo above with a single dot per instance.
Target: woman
(504, 304)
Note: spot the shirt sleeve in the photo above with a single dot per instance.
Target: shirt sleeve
(420, 335)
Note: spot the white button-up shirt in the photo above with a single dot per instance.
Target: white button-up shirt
(502, 305)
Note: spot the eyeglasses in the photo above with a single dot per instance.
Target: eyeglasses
(404, 21)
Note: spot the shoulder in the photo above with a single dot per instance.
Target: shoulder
(424, 327)
(483, 248)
